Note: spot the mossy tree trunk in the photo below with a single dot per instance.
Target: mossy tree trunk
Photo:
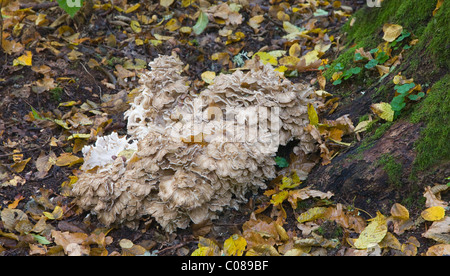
(395, 161)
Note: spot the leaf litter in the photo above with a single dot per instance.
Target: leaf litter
(288, 219)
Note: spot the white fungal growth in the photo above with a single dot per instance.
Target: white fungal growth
(194, 154)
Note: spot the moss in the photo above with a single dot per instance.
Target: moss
(412, 15)
(432, 147)
(434, 42)
(369, 141)
(393, 169)
(345, 59)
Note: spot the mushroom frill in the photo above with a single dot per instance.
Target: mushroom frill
(188, 155)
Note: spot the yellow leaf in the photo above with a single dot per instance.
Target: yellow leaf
(206, 247)
(208, 76)
(25, 59)
(399, 211)
(383, 110)
(135, 26)
(336, 75)
(186, 3)
(266, 58)
(433, 213)
(166, 3)
(255, 21)
(234, 245)
(139, 42)
(186, 30)
(311, 57)
(278, 198)
(173, 25)
(289, 60)
(391, 31)
(289, 183)
(438, 6)
(373, 233)
(80, 136)
(19, 166)
(74, 55)
(67, 159)
(290, 28)
(295, 50)
(312, 214)
(362, 126)
(312, 115)
(133, 8)
(56, 214)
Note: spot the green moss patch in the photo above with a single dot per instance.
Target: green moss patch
(433, 145)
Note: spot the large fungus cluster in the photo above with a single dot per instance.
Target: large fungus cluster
(190, 155)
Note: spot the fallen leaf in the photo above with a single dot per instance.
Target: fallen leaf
(206, 247)
(438, 249)
(439, 231)
(20, 166)
(433, 213)
(166, 3)
(383, 110)
(133, 8)
(312, 214)
(234, 245)
(25, 60)
(208, 76)
(135, 26)
(172, 25)
(432, 198)
(56, 214)
(438, 6)
(67, 159)
(72, 243)
(391, 31)
(399, 211)
(312, 115)
(373, 233)
(44, 163)
(201, 24)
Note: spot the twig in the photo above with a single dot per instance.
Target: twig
(44, 5)
(100, 89)
(12, 153)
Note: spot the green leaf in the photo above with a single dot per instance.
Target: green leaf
(40, 239)
(382, 57)
(201, 24)
(35, 114)
(336, 82)
(320, 12)
(402, 89)
(281, 162)
(398, 103)
(70, 6)
(372, 63)
(358, 56)
(338, 67)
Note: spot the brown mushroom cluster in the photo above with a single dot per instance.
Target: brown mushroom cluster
(189, 155)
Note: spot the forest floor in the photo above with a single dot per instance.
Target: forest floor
(64, 82)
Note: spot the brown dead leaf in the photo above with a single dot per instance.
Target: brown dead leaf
(44, 163)
(432, 198)
(72, 243)
(439, 231)
(439, 250)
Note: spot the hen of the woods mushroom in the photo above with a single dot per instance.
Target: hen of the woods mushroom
(188, 155)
